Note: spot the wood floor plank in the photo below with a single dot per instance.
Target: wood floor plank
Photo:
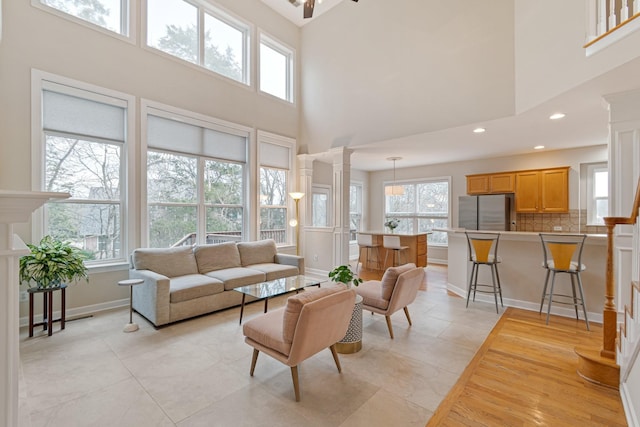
(525, 375)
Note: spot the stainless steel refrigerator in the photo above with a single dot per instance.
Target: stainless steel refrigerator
(490, 212)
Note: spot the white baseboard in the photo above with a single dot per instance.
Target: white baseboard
(627, 403)
(86, 310)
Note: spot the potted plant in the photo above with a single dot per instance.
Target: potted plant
(52, 263)
(343, 274)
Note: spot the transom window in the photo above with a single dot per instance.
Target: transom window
(204, 36)
(276, 68)
(112, 15)
(423, 207)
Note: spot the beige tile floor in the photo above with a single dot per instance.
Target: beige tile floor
(196, 373)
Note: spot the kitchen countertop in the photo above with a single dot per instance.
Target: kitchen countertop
(524, 235)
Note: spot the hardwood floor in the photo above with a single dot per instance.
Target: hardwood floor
(525, 374)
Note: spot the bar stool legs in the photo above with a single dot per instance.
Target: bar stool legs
(495, 284)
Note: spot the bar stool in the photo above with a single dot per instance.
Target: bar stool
(483, 250)
(130, 327)
(392, 244)
(365, 242)
(563, 254)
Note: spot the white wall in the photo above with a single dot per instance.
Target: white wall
(33, 38)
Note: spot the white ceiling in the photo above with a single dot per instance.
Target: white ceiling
(585, 124)
(294, 14)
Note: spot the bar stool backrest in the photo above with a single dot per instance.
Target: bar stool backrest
(365, 239)
(391, 242)
(563, 252)
(483, 247)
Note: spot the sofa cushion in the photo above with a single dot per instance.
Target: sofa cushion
(370, 291)
(217, 257)
(170, 262)
(260, 252)
(294, 307)
(193, 286)
(390, 278)
(238, 276)
(275, 271)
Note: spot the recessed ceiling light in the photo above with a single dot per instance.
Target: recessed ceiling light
(556, 116)
(538, 147)
(479, 130)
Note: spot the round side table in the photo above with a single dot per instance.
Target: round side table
(352, 341)
(130, 327)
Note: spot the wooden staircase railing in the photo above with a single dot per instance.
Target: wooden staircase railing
(602, 368)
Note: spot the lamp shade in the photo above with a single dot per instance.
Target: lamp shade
(296, 195)
(394, 190)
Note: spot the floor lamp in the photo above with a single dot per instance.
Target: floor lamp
(296, 222)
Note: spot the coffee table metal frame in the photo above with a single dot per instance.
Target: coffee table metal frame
(272, 288)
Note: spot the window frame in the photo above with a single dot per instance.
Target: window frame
(359, 188)
(592, 200)
(289, 144)
(415, 216)
(153, 108)
(290, 55)
(324, 190)
(128, 19)
(128, 202)
(216, 12)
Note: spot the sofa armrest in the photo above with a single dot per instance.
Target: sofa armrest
(151, 299)
(294, 260)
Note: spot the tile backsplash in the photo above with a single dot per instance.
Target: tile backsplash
(573, 222)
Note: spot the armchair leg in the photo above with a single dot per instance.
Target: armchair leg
(296, 386)
(388, 319)
(406, 313)
(335, 357)
(254, 359)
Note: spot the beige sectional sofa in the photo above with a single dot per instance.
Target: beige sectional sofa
(184, 282)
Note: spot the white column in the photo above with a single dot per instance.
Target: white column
(15, 207)
(341, 181)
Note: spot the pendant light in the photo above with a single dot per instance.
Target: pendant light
(394, 190)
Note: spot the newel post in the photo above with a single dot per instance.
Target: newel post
(609, 313)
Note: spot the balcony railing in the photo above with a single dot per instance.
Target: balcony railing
(279, 236)
(610, 20)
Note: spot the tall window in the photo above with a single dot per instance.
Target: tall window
(276, 68)
(423, 207)
(276, 207)
(84, 137)
(112, 15)
(597, 193)
(204, 36)
(195, 181)
(355, 211)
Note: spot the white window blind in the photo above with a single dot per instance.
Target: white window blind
(275, 156)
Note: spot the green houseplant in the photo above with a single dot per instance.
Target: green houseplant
(51, 263)
(343, 274)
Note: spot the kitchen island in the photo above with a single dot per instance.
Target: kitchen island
(522, 275)
(416, 252)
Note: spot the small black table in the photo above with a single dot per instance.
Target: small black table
(47, 308)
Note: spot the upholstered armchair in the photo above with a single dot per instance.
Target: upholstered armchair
(397, 289)
(310, 322)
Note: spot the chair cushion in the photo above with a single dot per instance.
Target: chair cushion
(191, 286)
(294, 307)
(390, 278)
(370, 291)
(170, 262)
(267, 331)
(275, 271)
(260, 252)
(489, 259)
(238, 276)
(572, 267)
(217, 257)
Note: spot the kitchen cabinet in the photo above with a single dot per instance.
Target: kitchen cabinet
(493, 183)
(542, 191)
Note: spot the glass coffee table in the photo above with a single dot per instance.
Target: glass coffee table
(274, 288)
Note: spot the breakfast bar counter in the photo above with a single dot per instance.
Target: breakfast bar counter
(521, 273)
(415, 253)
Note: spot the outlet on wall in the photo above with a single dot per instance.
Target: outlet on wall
(557, 228)
(315, 257)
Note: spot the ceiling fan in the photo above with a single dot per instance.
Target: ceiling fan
(308, 6)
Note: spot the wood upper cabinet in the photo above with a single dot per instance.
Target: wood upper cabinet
(542, 191)
(494, 183)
